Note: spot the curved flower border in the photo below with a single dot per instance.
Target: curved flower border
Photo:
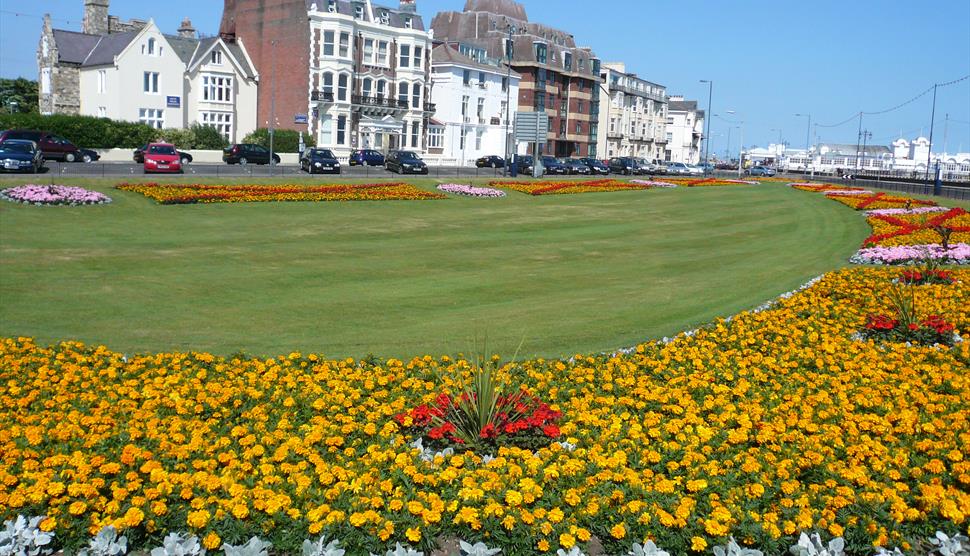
(53, 195)
(470, 190)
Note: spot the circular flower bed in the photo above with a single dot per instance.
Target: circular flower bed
(31, 194)
(470, 191)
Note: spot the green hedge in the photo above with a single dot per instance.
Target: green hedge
(84, 131)
(195, 137)
(284, 140)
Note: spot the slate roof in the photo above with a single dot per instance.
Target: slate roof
(185, 47)
(445, 54)
(682, 106)
(396, 16)
(108, 47)
(74, 47)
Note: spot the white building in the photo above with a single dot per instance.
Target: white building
(685, 130)
(368, 77)
(471, 100)
(903, 158)
(635, 116)
(165, 81)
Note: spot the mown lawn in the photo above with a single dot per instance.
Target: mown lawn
(560, 274)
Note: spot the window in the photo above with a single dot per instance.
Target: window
(102, 111)
(481, 110)
(326, 130)
(342, 87)
(416, 96)
(366, 87)
(505, 84)
(151, 82)
(381, 86)
(481, 79)
(402, 94)
(414, 134)
(151, 47)
(540, 102)
(341, 130)
(418, 56)
(344, 45)
(567, 60)
(368, 51)
(216, 89)
(509, 49)
(382, 53)
(464, 137)
(102, 81)
(581, 63)
(466, 77)
(216, 57)
(385, 17)
(540, 52)
(436, 137)
(504, 112)
(405, 56)
(332, 6)
(580, 106)
(407, 23)
(579, 128)
(358, 12)
(540, 79)
(328, 84)
(328, 43)
(153, 117)
(464, 107)
(222, 121)
(478, 140)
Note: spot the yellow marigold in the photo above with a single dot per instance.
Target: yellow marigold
(211, 541)
(198, 519)
(698, 544)
(77, 508)
(513, 498)
(618, 531)
(696, 485)
(566, 540)
(133, 517)
(413, 534)
(583, 534)
(159, 507)
(48, 524)
(543, 545)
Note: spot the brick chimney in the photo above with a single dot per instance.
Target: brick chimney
(409, 6)
(186, 30)
(95, 20)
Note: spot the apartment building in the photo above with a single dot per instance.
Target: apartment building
(685, 131)
(634, 117)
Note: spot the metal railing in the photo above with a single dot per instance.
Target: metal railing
(381, 102)
(321, 96)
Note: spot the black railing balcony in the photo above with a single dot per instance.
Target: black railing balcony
(378, 101)
(430, 107)
(321, 96)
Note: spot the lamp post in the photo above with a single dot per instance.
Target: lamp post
(508, 103)
(741, 147)
(272, 104)
(808, 129)
(707, 134)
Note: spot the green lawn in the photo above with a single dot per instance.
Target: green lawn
(563, 274)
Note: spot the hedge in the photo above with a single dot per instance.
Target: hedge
(84, 131)
(284, 140)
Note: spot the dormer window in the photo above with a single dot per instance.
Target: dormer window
(332, 6)
(408, 24)
(567, 61)
(358, 12)
(385, 18)
(540, 52)
(217, 57)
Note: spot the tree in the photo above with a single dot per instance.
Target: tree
(18, 95)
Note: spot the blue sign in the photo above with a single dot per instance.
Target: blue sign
(300, 119)
(173, 102)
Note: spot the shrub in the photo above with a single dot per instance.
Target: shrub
(207, 137)
(284, 141)
(84, 131)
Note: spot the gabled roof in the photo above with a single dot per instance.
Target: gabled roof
(184, 47)
(234, 49)
(74, 47)
(237, 51)
(108, 47)
(682, 106)
(395, 16)
(444, 54)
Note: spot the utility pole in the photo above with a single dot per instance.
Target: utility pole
(929, 153)
(741, 153)
(858, 142)
(866, 135)
(708, 116)
(508, 101)
(946, 126)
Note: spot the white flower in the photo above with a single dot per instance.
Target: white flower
(106, 543)
(812, 546)
(477, 549)
(648, 549)
(567, 446)
(318, 548)
(177, 544)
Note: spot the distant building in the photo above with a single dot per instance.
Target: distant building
(685, 130)
(635, 116)
(905, 158)
(134, 72)
(471, 99)
(558, 77)
(352, 74)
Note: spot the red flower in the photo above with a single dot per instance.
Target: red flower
(552, 431)
(488, 431)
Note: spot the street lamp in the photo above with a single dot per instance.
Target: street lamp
(272, 105)
(508, 105)
(707, 134)
(741, 147)
(808, 130)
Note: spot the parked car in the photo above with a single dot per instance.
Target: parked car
(366, 157)
(53, 147)
(491, 161)
(595, 166)
(678, 169)
(405, 162)
(695, 170)
(707, 168)
(89, 155)
(660, 166)
(760, 171)
(576, 166)
(162, 158)
(318, 161)
(244, 153)
(20, 155)
(726, 166)
(624, 165)
(645, 166)
(553, 166)
(139, 155)
(524, 164)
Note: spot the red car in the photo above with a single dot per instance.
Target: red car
(163, 158)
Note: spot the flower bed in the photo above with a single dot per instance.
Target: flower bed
(957, 254)
(568, 187)
(903, 211)
(760, 426)
(916, 229)
(822, 187)
(652, 183)
(181, 194)
(470, 191)
(31, 194)
(878, 201)
(919, 277)
(848, 192)
(709, 182)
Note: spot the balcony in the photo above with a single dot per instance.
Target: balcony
(378, 106)
(635, 92)
(321, 96)
(430, 107)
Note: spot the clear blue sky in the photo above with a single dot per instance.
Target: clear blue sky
(768, 60)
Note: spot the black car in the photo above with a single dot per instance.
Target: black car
(553, 166)
(624, 165)
(319, 160)
(89, 155)
(576, 166)
(244, 153)
(139, 156)
(20, 155)
(490, 162)
(595, 166)
(523, 164)
(51, 146)
(366, 157)
(405, 162)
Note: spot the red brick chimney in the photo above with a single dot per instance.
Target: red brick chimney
(260, 23)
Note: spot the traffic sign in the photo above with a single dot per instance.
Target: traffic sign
(531, 127)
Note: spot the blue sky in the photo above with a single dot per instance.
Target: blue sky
(768, 60)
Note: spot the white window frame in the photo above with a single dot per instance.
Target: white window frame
(216, 57)
(343, 87)
(417, 54)
(222, 121)
(329, 45)
(153, 117)
(102, 81)
(343, 44)
(383, 48)
(436, 137)
(404, 55)
(150, 82)
(217, 89)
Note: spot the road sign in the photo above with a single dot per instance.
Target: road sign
(173, 102)
(531, 127)
(300, 118)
